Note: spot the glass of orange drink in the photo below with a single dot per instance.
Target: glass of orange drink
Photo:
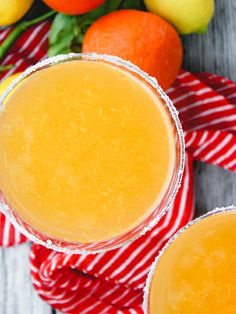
(195, 271)
(92, 152)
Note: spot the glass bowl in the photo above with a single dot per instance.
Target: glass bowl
(155, 212)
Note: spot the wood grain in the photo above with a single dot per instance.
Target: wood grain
(17, 295)
(212, 52)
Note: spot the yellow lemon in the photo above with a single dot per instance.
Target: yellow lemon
(13, 10)
(5, 83)
(188, 16)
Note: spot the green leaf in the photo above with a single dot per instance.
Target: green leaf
(112, 5)
(133, 4)
(62, 34)
(6, 67)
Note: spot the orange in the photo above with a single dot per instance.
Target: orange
(141, 37)
(72, 7)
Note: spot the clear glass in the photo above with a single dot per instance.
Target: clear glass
(155, 213)
(154, 266)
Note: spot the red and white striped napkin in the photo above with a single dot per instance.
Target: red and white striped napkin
(112, 282)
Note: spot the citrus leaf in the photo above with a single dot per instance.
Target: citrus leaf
(133, 4)
(112, 5)
(6, 67)
(62, 34)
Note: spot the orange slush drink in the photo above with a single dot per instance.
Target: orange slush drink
(196, 274)
(86, 150)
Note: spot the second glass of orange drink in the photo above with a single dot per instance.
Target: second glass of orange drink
(195, 272)
(92, 152)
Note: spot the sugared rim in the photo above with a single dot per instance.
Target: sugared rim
(173, 113)
(154, 265)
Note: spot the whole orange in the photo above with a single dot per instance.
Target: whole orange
(72, 7)
(140, 37)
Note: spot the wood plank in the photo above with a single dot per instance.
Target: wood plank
(17, 295)
(213, 187)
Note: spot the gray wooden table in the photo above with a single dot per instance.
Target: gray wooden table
(214, 52)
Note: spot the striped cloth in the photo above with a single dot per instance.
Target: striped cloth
(112, 282)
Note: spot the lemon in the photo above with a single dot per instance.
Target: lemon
(188, 16)
(13, 10)
(5, 83)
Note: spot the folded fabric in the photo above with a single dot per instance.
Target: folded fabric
(112, 282)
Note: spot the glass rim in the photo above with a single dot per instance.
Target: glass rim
(173, 113)
(154, 264)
